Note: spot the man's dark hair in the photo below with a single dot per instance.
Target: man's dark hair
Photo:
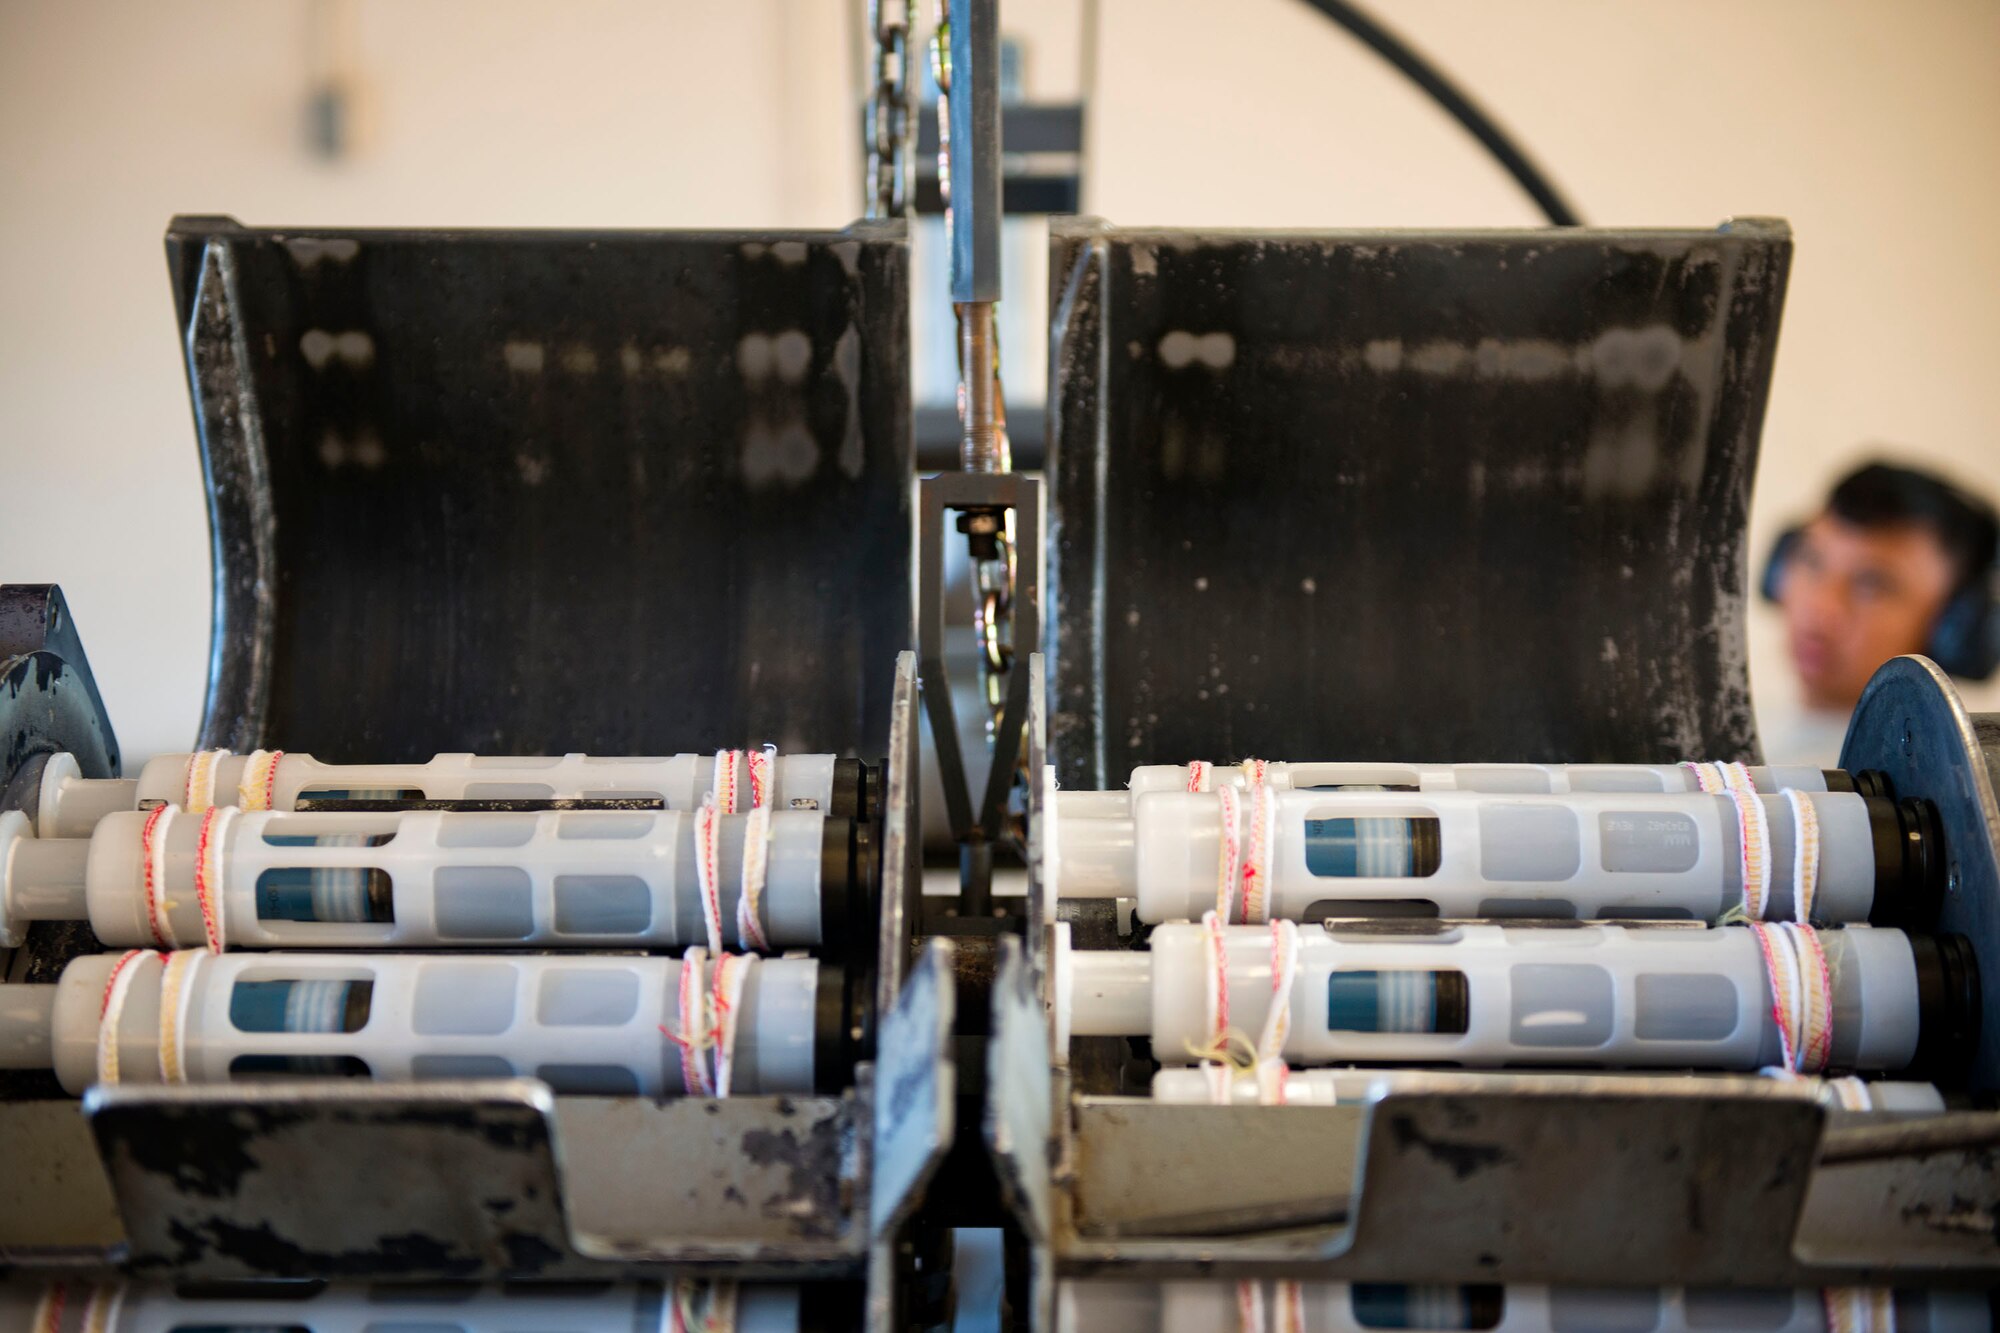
(1881, 495)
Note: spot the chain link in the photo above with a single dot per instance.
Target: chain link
(891, 121)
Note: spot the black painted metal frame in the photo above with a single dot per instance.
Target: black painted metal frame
(622, 492)
(1403, 495)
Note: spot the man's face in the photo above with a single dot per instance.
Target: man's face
(1854, 598)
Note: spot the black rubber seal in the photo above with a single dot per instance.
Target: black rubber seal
(833, 1048)
(846, 799)
(1908, 838)
(1838, 779)
(836, 884)
(1948, 1008)
(1873, 782)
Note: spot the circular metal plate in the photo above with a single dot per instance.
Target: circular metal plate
(1911, 726)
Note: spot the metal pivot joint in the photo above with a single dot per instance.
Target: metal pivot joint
(979, 498)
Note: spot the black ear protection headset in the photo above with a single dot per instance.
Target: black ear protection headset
(1965, 641)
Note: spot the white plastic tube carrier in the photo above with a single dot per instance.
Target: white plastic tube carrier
(598, 1025)
(70, 804)
(418, 879)
(1485, 995)
(1454, 853)
(1494, 779)
(1338, 1307)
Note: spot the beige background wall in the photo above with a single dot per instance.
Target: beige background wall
(1872, 127)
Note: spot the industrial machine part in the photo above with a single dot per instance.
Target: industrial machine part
(1480, 994)
(568, 879)
(1340, 1307)
(1583, 404)
(70, 804)
(1373, 495)
(599, 1025)
(1458, 853)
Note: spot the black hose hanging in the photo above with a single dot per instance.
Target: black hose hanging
(1462, 108)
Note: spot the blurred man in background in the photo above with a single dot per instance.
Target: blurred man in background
(1899, 561)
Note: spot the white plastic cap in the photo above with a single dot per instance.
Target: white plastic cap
(70, 804)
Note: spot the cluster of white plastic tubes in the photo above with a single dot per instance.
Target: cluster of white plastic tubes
(1314, 926)
(254, 937)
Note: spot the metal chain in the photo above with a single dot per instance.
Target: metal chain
(993, 575)
(891, 122)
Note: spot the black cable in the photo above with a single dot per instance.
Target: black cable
(1447, 95)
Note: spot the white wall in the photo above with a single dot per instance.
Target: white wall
(1872, 127)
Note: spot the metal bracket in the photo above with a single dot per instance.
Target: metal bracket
(915, 1118)
(1528, 1178)
(977, 492)
(1018, 1124)
(902, 840)
(480, 1179)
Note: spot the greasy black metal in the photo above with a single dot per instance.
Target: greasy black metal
(538, 492)
(964, 491)
(49, 702)
(1380, 496)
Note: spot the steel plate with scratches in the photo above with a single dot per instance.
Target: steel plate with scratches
(496, 459)
(1533, 1178)
(760, 1184)
(1403, 495)
(334, 1179)
(916, 1084)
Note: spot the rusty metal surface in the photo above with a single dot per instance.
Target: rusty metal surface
(916, 1113)
(560, 485)
(743, 1181)
(334, 1180)
(1394, 496)
(1018, 1106)
(1652, 1184)
(1019, 1125)
(1567, 1179)
(1911, 726)
(479, 1180)
(916, 1084)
